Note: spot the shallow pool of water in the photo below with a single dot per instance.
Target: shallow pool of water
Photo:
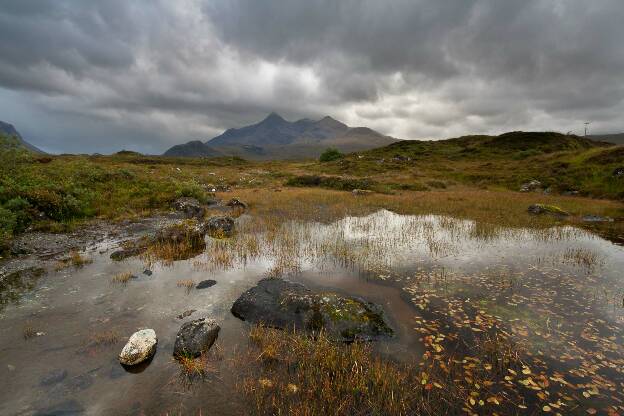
(558, 292)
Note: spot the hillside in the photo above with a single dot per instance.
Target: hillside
(563, 164)
(9, 130)
(194, 148)
(276, 138)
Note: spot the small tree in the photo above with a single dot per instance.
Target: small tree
(331, 154)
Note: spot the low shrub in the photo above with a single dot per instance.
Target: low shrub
(330, 182)
(330, 154)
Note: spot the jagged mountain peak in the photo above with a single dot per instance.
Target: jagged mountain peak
(276, 138)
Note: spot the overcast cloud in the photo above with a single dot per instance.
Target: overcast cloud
(101, 75)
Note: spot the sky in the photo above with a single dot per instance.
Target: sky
(87, 76)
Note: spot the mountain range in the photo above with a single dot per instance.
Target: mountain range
(276, 138)
(9, 130)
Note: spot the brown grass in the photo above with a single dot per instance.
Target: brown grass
(291, 373)
(188, 284)
(122, 278)
(29, 332)
(75, 259)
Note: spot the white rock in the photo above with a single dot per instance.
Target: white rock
(140, 347)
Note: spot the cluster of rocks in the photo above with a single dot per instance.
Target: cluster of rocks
(193, 339)
(191, 232)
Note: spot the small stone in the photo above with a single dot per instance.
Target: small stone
(53, 377)
(186, 313)
(10, 367)
(236, 203)
(205, 284)
(147, 272)
(140, 347)
(196, 337)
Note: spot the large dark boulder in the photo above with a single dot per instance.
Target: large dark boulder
(190, 232)
(196, 337)
(285, 305)
(190, 207)
(219, 227)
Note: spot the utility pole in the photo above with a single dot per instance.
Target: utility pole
(587, 123)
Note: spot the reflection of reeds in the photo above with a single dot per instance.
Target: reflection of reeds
(104, 338)
(581, 257)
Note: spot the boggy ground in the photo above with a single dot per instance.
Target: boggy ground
(496, 311)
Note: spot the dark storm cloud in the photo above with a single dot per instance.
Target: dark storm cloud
(79, 75)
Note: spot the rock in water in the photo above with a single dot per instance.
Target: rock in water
(205, 284)
(140, 347)
(196, 337)
(190, 207)
(53, 377)
(219, 227)
(284, 304)
(189, 232)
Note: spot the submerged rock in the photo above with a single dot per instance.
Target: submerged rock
(236, 203)
(53, 377)
(284, 304)
(538, 209)
(196, 337)
(219, 227)
(190, 207)
(140, 347)
(205, 284)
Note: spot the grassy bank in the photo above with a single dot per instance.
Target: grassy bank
(57, 192)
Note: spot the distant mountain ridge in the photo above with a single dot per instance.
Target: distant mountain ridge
(276, 138)
(10, 131)
(617, 138)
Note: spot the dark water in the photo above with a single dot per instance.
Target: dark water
(559, 292)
